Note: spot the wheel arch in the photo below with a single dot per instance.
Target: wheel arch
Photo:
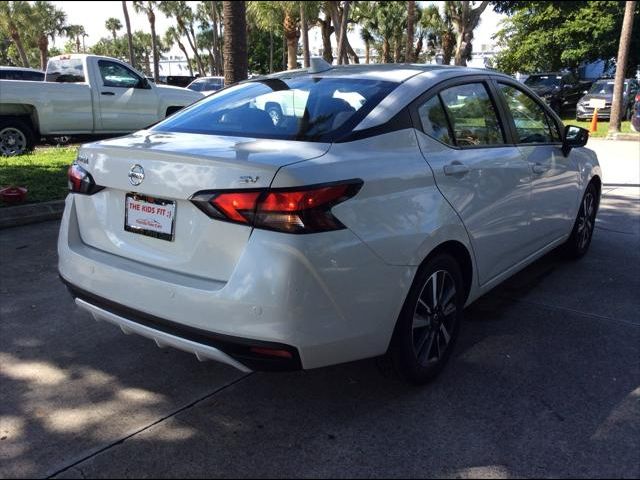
(463, 257)
(25, 112)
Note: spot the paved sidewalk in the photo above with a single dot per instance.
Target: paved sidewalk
(544, 382)
(619, 159)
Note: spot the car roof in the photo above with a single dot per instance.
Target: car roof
(393, 72)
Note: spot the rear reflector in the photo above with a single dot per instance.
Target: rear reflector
(270, 352)
(291, 210)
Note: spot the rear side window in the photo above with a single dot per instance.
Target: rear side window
(116, 75)
(472, 115)
(21, 75)
(68, 70)
(533, 124)
(300, 108)
(434, 120)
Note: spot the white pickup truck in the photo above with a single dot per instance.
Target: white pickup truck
(83, 95)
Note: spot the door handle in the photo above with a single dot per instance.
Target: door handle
(539, 168)
(456, 169)
(108, 93)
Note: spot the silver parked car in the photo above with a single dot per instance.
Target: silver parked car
(348, 229)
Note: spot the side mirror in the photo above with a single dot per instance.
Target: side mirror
(574, 137)
(144, 83)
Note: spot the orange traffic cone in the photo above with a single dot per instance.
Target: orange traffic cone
(594, 121)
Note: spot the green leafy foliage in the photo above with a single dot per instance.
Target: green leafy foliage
(547, 36)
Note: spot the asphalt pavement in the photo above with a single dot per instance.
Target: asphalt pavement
(544, 382)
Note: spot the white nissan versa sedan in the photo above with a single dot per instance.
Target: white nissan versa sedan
(348, 229)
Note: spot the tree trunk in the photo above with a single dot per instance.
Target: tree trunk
(186, 55)
(235, 41)
(448, 45)
(43, 46)
(270, 51)
(216, 47)
(183, 27)
(352, 54)
(367, 49)
(77, 44)
(212, 63)
(304, 30)
(411, 15)
(326, 30)
(196, 47)
(416, 54)
(386, 51)
(342, 37)
(154, 46)
(397, 49)
(285, 56)
(291, 34)
(621, 66)
(129, 37)
(465, 19)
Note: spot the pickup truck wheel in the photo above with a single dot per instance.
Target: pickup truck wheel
(16, 137)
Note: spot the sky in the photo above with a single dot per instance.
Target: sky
(93, 14)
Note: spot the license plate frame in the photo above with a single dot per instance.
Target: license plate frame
(140, 230)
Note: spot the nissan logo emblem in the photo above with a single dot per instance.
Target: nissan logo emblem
(136, 175)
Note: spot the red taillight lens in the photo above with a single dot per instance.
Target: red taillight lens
(638, 97)
(299, 210)
(81, 181)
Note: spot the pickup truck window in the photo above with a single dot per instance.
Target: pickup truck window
(68, 70)
(115, 75)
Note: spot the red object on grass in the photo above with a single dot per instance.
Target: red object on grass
(13, 194)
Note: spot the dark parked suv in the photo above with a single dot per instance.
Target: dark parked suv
(559, 90)
(603, 90)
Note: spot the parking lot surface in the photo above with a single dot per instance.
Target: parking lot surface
(544, 382)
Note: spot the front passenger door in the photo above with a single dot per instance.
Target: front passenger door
(555, 178)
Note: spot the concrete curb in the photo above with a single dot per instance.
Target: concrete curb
(30, 213)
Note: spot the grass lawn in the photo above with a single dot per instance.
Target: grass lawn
(603, 127)
(43, 173)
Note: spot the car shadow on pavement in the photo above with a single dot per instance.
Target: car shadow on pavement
(544, 382)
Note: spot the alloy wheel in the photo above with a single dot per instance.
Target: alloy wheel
(434, 318)
(586, 220)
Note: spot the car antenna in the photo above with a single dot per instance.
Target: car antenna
(319, 64)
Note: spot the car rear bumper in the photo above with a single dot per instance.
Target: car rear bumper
(324, 298)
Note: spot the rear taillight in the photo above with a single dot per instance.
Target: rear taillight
(81, 181)
(637, 97)
(291, 210)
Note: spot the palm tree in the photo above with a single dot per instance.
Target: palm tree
(172, 36)
(74, 32)
(125, 10)
(148, 7)
(113, 25)
(46, 21)
(439, 30)
(617, 109)
(13, 20)
(235, 41)
(207, 14)
(181, 11)
(465, 19)
(272, 15)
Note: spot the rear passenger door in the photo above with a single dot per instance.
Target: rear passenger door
(485, 179)
(555, 177)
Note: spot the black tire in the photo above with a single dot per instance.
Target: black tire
(275, 112)
(580, 240)
(16, 136)
(419, 352)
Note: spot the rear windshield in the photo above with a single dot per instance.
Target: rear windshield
(204, 85)
(68, 70)
(301, 108)
(21, 75)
